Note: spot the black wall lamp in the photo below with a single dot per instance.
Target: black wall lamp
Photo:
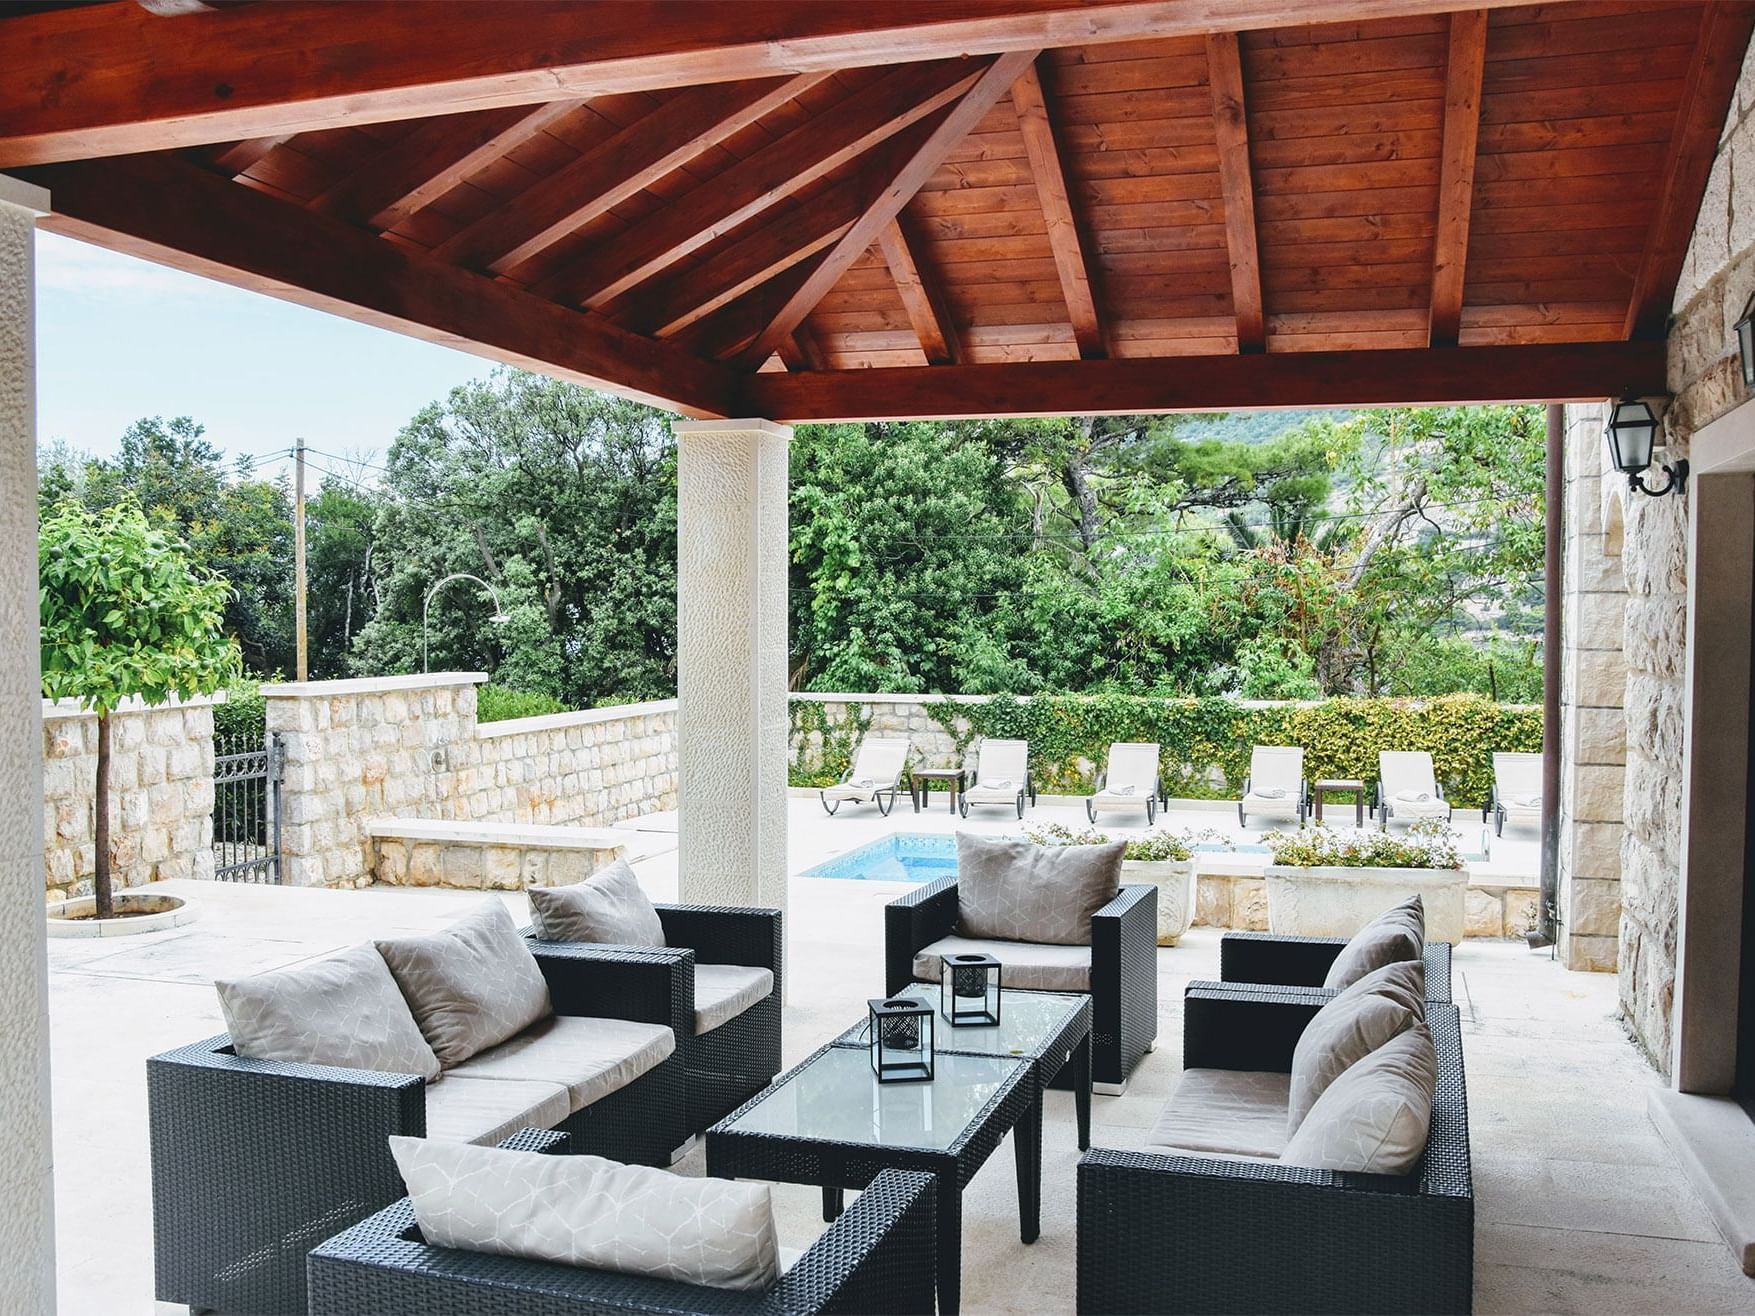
(1632, 432)
(1746, 342)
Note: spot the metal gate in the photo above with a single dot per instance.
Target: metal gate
(246, 810)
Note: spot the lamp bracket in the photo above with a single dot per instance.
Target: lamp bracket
(1676, 483)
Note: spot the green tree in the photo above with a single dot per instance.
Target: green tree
(125, 614)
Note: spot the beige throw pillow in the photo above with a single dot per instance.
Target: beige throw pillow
(1373, 1119)
(1018, 891)
(608, 906)
(1396, 934)
(1381, 1005)
(343, 1009)
(470, 986)
(586, 1211)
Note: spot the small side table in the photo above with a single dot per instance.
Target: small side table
(1335, 786)
(917, 788)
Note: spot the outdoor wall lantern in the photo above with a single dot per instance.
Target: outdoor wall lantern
(969, 990)
(1746, 341)
(901, 1040)
(1631, 431)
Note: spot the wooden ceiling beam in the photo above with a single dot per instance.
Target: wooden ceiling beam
(921, 298)
(735, 326)
(715, 207)
(802, 351)
(238, 157)
(1419, 376)
(1707, 90)
(1078, 284)
(1231, 129)
(176, 213)
(94, 80)
(889, 198)
(628, 162)
(1464, 64)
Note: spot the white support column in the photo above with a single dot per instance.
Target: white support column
(731, 660)
(27, 1240)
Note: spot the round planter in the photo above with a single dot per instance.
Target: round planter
(1337, 902)
(1175, 879)
(71, 918)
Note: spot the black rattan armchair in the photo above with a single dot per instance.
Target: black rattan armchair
(1272, 960)
(1161, 1233)
(254, 1162)
(879, 1256)
(1124, 967)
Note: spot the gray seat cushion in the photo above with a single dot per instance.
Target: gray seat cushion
(1019, 891)
(1224, 1112)
(1022, 964)
(724, 991)
(588, 1057)
(607, 907)
(490, 1110)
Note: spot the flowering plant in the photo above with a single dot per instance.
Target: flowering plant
(1152, 848)
(1428, 844)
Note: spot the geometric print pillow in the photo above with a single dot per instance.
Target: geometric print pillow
(608, 908)
(586, 1211)
(1374, 1118)
(1013, 890)
(343, 1010)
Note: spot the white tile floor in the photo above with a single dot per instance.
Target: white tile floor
(1579, 1205)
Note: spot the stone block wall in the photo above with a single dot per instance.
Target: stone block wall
(485, 862)
(161, 795)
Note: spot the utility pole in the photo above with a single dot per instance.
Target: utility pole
(299, 555)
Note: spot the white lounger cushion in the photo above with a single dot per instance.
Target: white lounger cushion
(1257, 802)
(1022, 964)
(1130, 774)
(995, 792)
(588, 1057)
(1224, 1112)
(854, 792)
(490, 1110)
(724, 991)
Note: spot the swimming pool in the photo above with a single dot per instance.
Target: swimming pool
(904, 857)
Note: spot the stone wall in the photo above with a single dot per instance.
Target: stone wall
(410, 747)
(161, 795)
(487, 856)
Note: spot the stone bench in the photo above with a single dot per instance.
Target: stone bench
(486, 856)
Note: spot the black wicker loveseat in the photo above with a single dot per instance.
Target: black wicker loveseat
(1268, 959)
(1186, 1233)
(877, 1257)
(1123, 968)
(255, 1162)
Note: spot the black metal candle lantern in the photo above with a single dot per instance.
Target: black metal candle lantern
(901, 1040)
(969, 990)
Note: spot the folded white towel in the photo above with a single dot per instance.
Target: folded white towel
(1122, 790)
(998, 784)
(1527, 801)
(1414, 797)
(864, 783)
(1272, 793)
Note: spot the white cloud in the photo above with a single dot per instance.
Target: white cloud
(66, 265)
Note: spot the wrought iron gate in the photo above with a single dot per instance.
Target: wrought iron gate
(246, 811)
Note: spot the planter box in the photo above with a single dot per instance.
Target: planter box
(1337, 902)
(1175, 880)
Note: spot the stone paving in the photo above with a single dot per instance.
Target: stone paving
(1580, 1207)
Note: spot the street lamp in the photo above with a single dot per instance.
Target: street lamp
(499, 618)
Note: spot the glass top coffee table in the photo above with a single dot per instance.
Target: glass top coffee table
(828, 1121)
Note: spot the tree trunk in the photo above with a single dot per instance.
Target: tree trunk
(100, 878)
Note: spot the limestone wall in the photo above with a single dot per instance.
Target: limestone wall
(161, 795)
(487, 856)
(410, 747)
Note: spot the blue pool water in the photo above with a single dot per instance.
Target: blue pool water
(904, 857)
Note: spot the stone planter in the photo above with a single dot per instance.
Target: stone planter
(149, 913)
(1337, 902)
(1175, 879)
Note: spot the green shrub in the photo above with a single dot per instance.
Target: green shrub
(1428, 844)
(495, 703)
(242, 720)
(823, 744)
(1152, 848)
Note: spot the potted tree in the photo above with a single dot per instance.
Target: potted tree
(125, 615)
(1325, 882)
(1163, 858)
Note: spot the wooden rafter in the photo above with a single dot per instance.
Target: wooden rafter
(625, 164)
(1464, 63)
(921, 298)
(779, 170)
(734, 327)
(1706, 96)
(1231, 129)
(895, 192)
(239, 156)
(801, 351)
(1078, 284)
(1548, 372)
(176, 213)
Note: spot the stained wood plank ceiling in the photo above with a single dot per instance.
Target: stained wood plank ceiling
(1421, 177)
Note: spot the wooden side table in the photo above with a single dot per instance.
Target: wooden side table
(918, 777)
(1335, 786)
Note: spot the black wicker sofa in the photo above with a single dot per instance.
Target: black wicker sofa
(1188, 1233)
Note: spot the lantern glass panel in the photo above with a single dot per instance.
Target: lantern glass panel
(1632, 432)
(901, 1040)
(969, 990)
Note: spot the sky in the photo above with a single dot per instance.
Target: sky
(119, 338)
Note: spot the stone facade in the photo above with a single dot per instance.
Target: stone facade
(890, 715)
(161, 795)
(410, 747)
(487, 856)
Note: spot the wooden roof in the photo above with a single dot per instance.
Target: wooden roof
(964, 207)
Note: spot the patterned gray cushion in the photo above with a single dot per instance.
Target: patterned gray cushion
(1017, 891)
(586, 1211)
(1395, 934)
(1374, 1118)
(341, 1010)
(1381, 1005)
(470, 986)
(608, 907)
